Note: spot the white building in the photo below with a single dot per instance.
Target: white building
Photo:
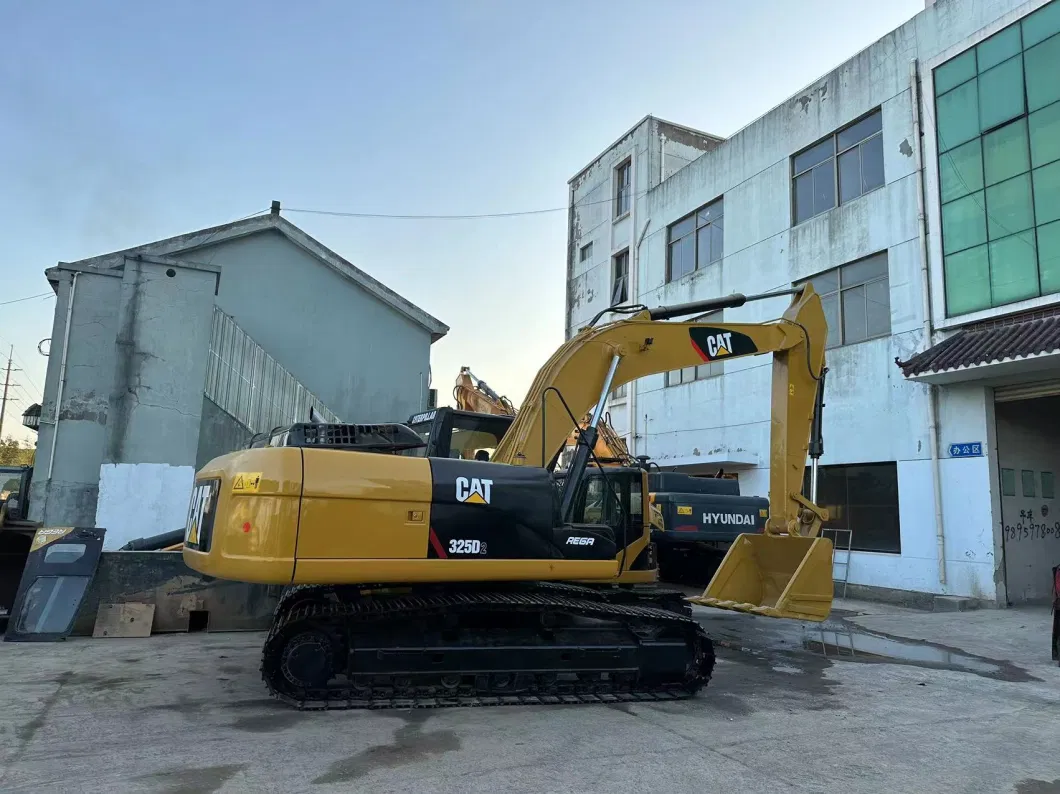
(944, 345)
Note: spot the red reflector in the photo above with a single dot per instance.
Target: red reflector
(246, 526)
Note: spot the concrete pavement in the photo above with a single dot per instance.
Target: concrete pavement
(969, 703)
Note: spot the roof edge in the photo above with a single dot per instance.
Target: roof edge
(184, 243)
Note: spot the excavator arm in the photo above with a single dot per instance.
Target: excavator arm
(577, 376)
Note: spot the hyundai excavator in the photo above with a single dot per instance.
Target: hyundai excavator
(430, 581)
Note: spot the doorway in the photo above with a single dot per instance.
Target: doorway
(1028, 452)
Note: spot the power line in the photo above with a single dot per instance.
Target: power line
(338, 214)
(28, 298)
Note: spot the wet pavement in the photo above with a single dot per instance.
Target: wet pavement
(875, 699)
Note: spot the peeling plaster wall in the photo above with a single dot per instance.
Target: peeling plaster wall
(366, 361)
(872, 414)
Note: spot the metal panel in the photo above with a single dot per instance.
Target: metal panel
(249, 384)
(1027, 391)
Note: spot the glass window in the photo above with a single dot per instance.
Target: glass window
(814, 155)
(1005, 152)
(623, 187)
(51, 604)
(954, 72)
(1001, 93)
(1045, 134)
(958, 116)
(620, 279)
(999, 47)
(1049, 257)
(1008, 207)
(998, 242)
(961, 170)
(968, 281)
(1043, 73)
(872, 164)
(1008, 482)
(1013, 268)
(963, 223)
(1047, 193)
(1040, 25)
(65, 552)
(586, 253)
(1027, 478)
(1048, 485)
(856, 300)
(858, 168)
(696, 240)
(864, 499)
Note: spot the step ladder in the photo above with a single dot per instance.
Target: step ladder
(844, 562)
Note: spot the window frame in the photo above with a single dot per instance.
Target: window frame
(833, 158)
(585, 253)
(704, 371)
(622, 177)
(841, 289)
(717, 221)
(618, 256)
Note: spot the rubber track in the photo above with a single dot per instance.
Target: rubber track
(347, 611)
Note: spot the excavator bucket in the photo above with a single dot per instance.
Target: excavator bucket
(778, 576)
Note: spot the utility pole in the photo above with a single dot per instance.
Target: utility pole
(7, 383)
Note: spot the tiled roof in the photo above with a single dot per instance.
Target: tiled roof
(987, 344)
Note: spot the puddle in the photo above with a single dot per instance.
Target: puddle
(858, 645)
(836, 641)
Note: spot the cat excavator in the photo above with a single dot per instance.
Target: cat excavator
(431, 581)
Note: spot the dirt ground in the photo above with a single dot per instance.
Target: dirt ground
(879, 699)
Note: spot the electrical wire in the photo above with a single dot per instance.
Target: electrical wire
(28, 298)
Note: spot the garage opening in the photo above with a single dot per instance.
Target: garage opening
(1028, 450)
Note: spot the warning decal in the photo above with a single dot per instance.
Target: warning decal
(246, 482)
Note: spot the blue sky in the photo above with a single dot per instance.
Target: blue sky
(124, 122)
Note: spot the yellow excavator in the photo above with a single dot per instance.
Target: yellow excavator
(431, 581)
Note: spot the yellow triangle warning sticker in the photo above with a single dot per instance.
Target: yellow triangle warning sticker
(238, 484)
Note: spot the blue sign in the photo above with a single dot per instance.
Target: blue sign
(966, 450)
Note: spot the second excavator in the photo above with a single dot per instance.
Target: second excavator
(430, 581)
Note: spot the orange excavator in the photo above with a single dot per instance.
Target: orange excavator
(474, 394)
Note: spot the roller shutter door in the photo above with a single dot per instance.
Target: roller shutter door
(1027, 391)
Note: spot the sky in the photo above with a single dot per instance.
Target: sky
(122, 123)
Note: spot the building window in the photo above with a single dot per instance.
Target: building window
(620, 278)
(997, 107)
(1008, 482)
(623, 187)
(856, 299)
(1048, 485)
(1027, 476)
(620, 392)
(864, 499)
(696, 240)
(586, 253)
(858, 150)
(701, 371)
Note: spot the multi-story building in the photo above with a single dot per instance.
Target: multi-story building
(917, 186)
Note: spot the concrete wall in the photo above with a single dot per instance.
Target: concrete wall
(69, 498)
(872, 414)
(163, 339)
(365, 360)
(1028, 439)
(219, 433)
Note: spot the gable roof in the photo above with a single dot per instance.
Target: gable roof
(184, 243)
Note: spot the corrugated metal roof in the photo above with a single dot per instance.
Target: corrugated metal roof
(987, 344)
